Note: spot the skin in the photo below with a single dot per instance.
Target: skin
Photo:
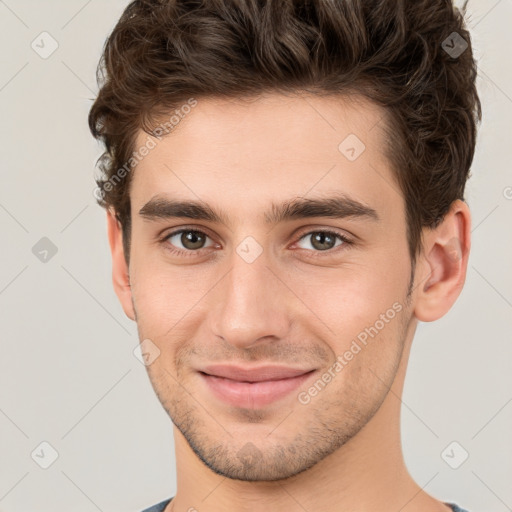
(342, 450)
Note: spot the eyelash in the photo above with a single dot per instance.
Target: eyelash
(315, 254)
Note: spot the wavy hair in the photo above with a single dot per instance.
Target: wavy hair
(396, 53)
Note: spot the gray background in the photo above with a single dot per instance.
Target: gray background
(68, 373)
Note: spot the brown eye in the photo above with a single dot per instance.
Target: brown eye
(189, 239)
(323, 240)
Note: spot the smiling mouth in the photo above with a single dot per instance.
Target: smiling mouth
(257, 388)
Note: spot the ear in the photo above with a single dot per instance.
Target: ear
(120, 272)
(441, 271)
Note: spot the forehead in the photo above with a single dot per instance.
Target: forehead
(269, 148)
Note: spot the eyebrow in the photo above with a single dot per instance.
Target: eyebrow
(339, 207)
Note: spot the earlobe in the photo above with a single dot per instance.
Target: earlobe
(120, 273)
(442, 270)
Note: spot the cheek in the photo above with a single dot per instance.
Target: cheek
(368, 357)
(155, 297)
(352, 297)
(167, 298)
(361, 309)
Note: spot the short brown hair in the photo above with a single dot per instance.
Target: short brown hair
(412, 57)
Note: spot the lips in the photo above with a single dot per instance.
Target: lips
(257, 374)
(252, 388)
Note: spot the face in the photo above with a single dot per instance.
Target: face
(291, 268)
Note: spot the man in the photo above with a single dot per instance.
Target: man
(284, 184)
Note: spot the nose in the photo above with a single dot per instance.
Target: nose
(251, 304)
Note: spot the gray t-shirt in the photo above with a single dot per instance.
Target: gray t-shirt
(159, 507)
